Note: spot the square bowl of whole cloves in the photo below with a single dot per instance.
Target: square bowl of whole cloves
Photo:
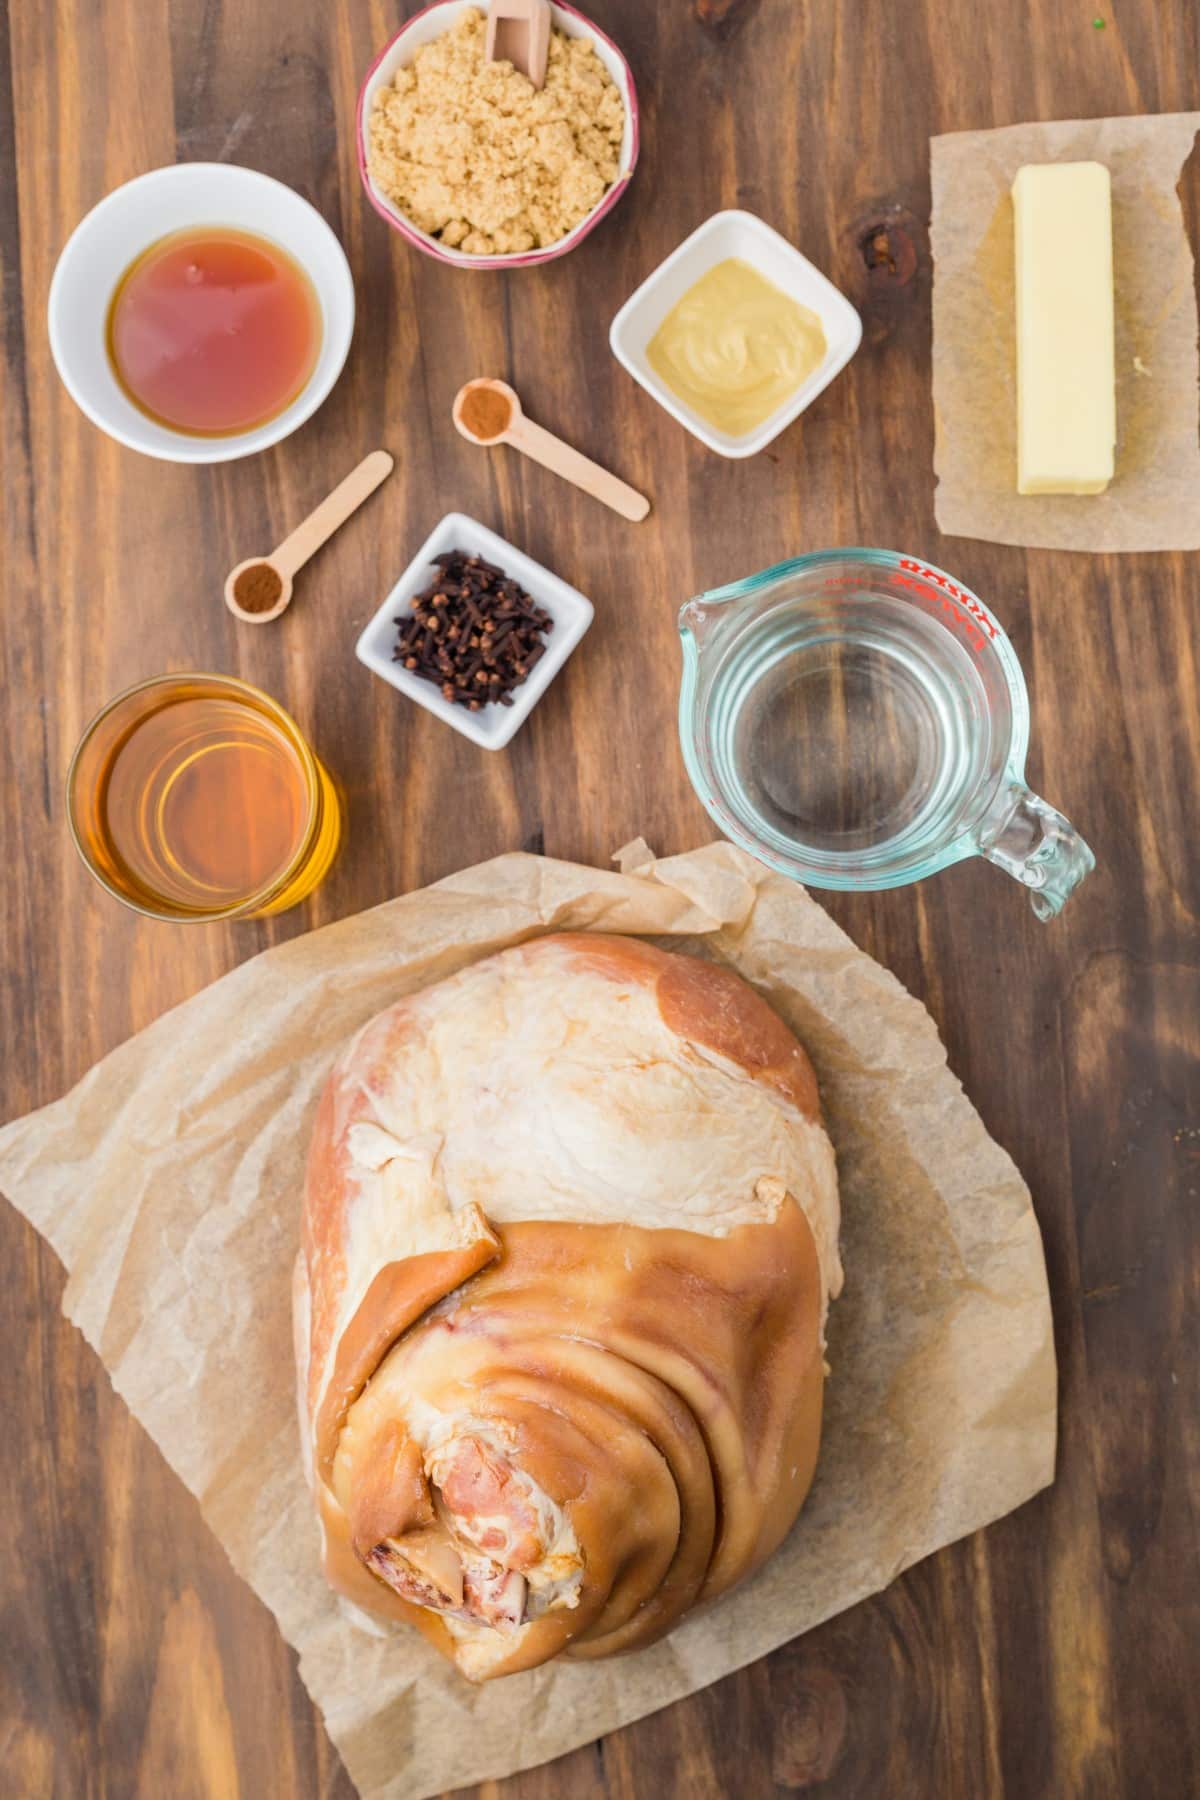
(474, 631)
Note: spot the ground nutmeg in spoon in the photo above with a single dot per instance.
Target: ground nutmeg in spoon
(258, 588)
(485, 413)
(474, 632)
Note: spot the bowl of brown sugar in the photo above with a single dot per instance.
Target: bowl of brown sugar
(470, 162)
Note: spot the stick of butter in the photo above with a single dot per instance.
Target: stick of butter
(1066, 379)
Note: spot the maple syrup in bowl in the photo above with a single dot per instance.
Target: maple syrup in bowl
(214, 331)
(197, 797)
(201, 312)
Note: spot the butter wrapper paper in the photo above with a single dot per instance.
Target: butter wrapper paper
(1153, 501)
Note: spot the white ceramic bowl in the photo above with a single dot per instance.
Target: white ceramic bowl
(743, 235)
(432, 23)
(128, 221)
(494, 726)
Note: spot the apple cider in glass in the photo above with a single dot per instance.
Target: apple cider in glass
(197, 797)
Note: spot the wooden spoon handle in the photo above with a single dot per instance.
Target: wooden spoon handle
(552, 453)
(333, 511)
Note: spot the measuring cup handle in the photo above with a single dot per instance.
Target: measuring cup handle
(1026, 838)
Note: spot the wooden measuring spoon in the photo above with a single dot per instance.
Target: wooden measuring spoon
(518, 31)
(488, 412)
(260, 588)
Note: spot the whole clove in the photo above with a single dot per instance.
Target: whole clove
(475, 633)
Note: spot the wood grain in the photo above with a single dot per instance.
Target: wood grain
(1054, 1655)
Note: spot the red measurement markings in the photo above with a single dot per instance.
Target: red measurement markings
(961, 608)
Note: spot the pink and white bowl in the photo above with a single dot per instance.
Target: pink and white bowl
(422, 28)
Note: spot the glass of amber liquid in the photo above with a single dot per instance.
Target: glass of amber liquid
(198, 797)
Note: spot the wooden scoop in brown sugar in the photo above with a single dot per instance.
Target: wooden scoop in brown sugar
(518, 31)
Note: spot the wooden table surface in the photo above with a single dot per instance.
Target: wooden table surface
(1055, 1654)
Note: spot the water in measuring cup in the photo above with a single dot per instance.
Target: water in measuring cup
(855, 726)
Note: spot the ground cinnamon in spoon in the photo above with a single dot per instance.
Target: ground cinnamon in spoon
(485, 413)
(257, 589)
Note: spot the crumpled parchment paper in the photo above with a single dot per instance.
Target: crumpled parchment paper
(169, 1181)
(1153, 502)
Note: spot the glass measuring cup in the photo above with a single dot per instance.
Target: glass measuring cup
(856, 719)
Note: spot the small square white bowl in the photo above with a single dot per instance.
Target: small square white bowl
(743, 235)
(493, 726)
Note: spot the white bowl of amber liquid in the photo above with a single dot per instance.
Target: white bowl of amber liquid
(215, 270)
(198, 797)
